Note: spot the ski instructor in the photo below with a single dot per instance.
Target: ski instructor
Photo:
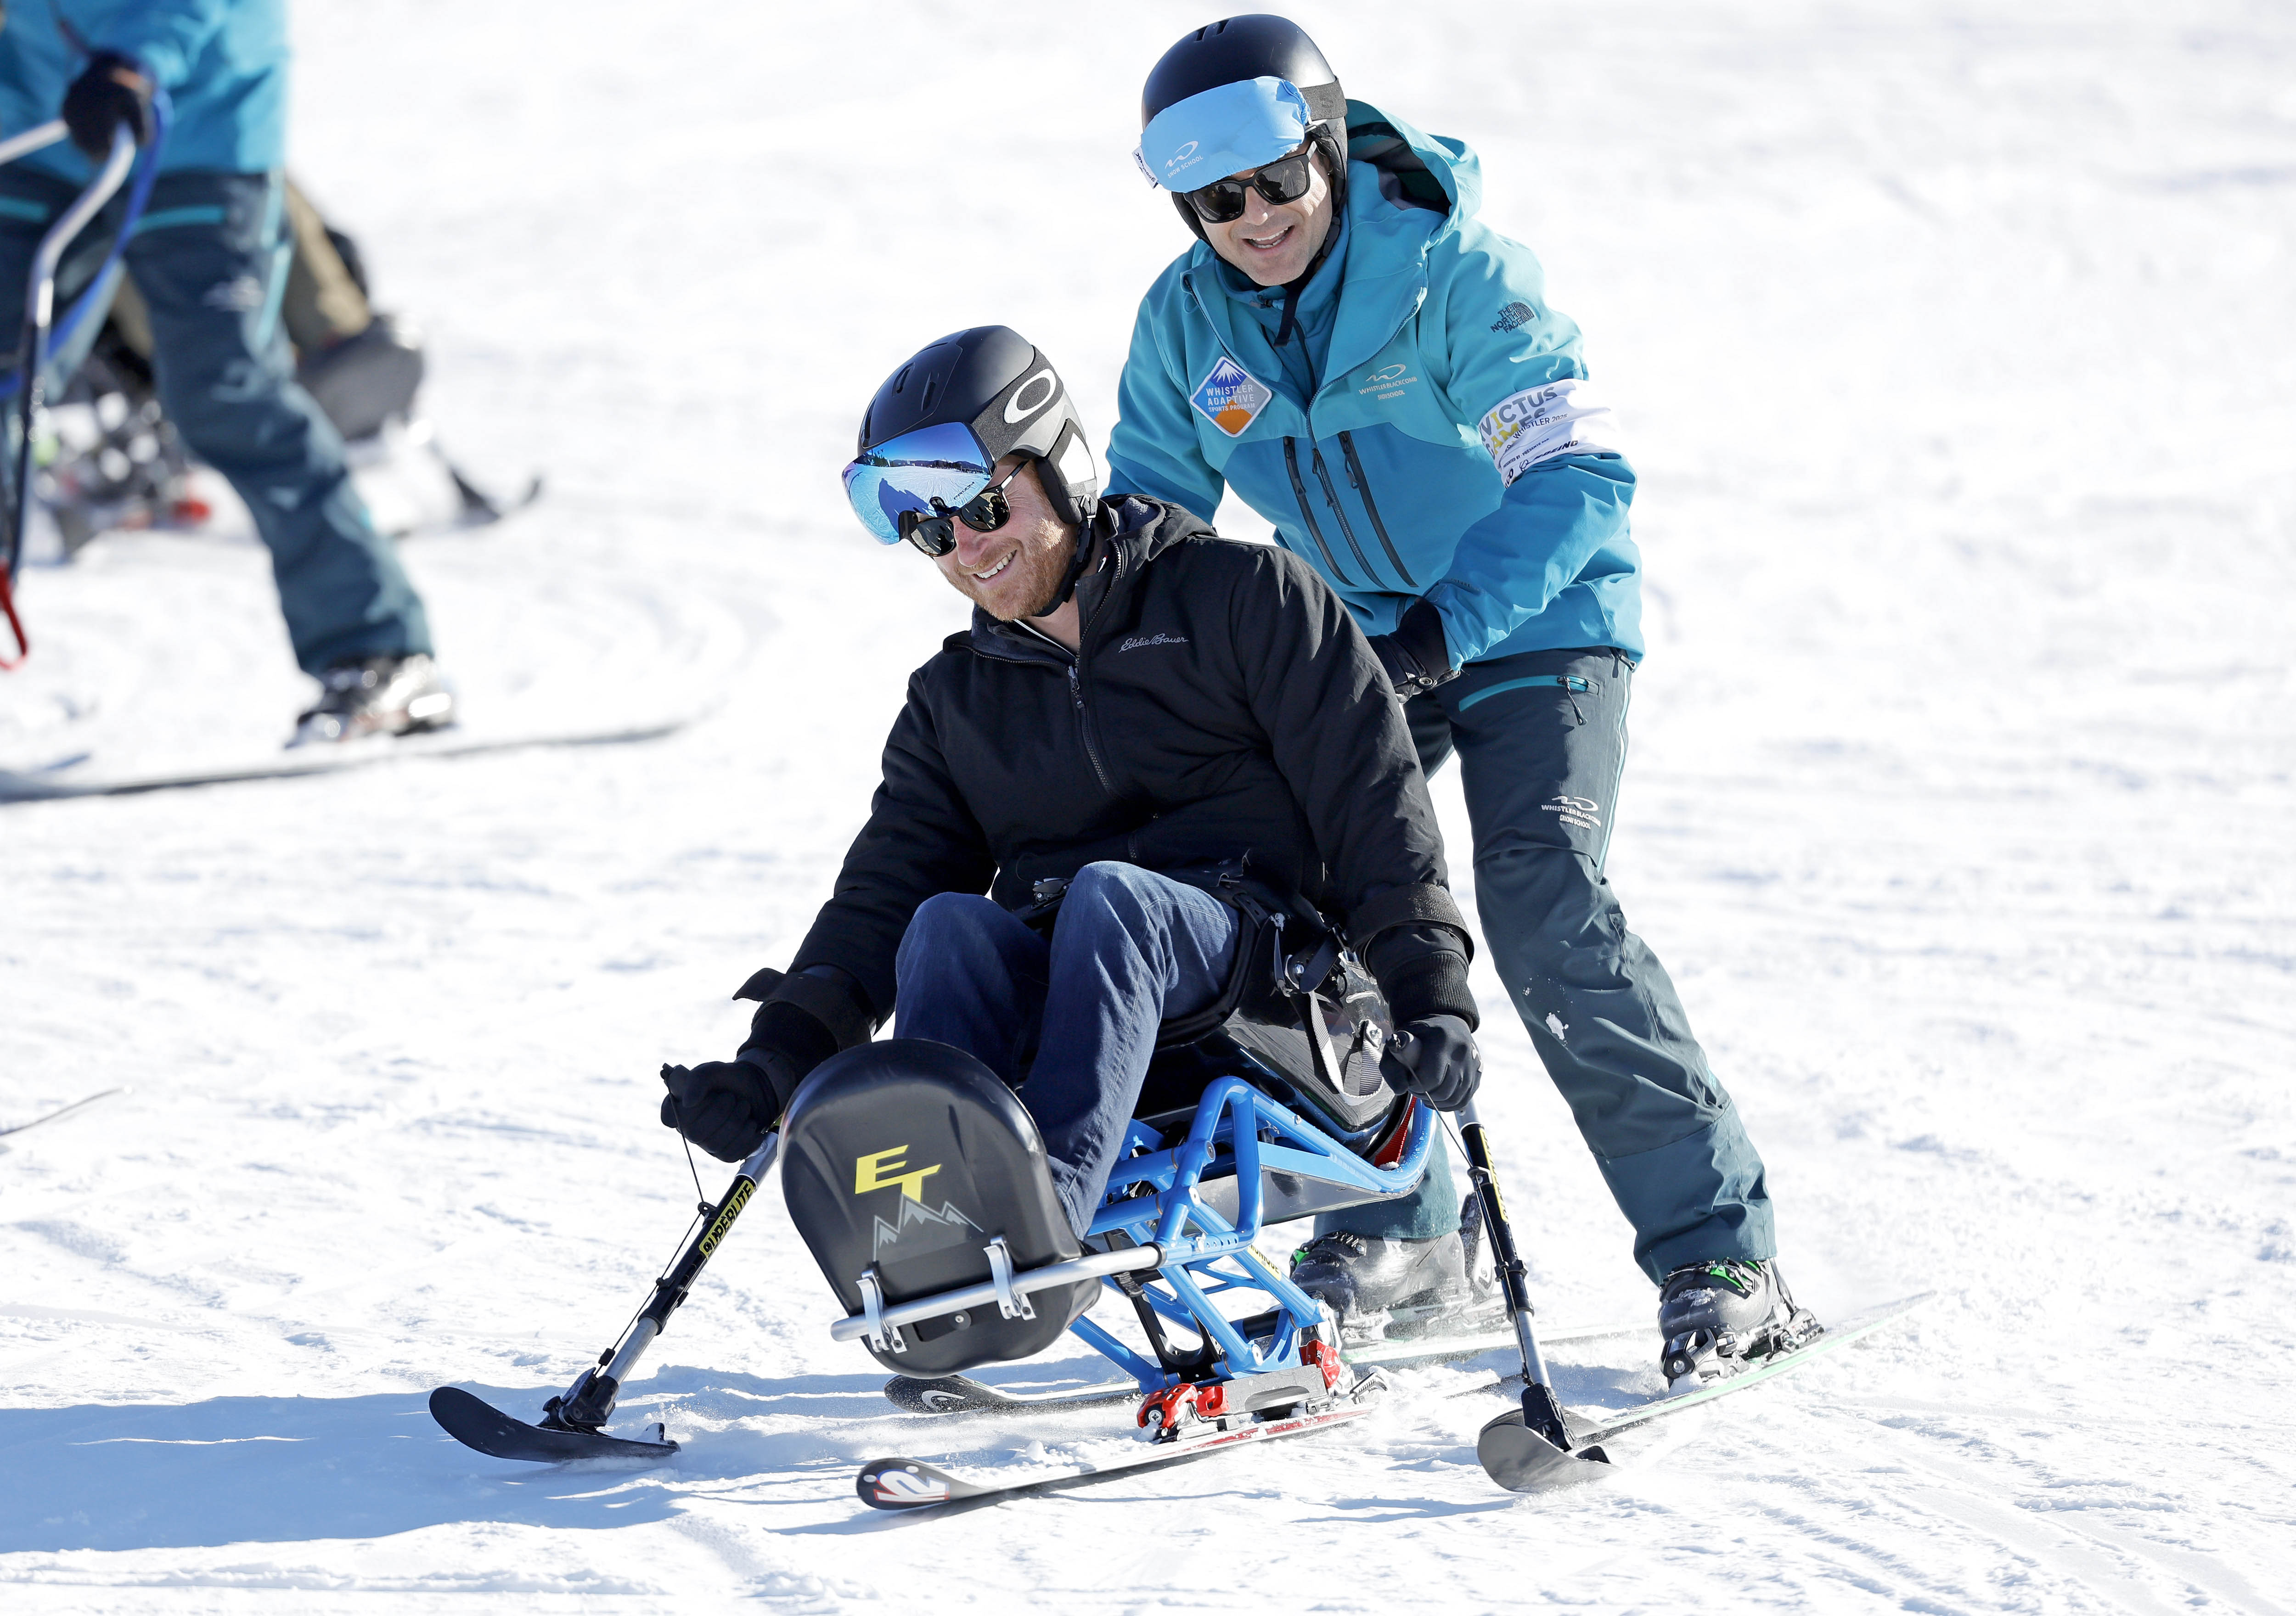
(1137, 703)
(1376, 371)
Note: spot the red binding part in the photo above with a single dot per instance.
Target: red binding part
(15, 625)
(1325, 1357)
(1391, 1152)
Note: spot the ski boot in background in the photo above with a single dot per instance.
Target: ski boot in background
(1382, 1288)
(378, 696)
(1719, 1317)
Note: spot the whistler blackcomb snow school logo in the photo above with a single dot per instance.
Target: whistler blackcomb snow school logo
(1513, 316)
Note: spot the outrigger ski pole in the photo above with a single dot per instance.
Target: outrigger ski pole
(38, 342)
(1528, 1447)
(572, 1422)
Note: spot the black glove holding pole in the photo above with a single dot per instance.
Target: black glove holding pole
(111, 91)
(1423, 970)
(1439, 1061)
(728, 1106)
(1416, 656)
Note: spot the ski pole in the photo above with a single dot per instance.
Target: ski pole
(39, 308)
(32, 140)
(1541, 1411)
(15, 146)
(589, 1401)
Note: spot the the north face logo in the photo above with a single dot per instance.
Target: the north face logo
(1512, 316)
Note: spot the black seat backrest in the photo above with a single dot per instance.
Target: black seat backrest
(1266, 1040)
(912, 1157)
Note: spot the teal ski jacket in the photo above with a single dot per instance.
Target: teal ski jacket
(1428, 433)
(223, 64)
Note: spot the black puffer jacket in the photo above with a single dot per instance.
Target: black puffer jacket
(1222, 702)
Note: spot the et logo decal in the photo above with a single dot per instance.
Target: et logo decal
(886, 1169)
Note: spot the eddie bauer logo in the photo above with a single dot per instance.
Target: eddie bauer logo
(1137, 641)
(874, 1172)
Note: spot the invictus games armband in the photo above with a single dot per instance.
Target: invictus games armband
(1539, 423)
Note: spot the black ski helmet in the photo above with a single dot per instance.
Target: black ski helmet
(995, 382)
(1255, 46)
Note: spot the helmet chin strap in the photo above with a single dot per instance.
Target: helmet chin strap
(1086, 541)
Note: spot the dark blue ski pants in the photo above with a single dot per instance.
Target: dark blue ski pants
(1541, 741)
(1129, 949)
(210, 257)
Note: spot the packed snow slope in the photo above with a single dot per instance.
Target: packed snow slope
(1956, 341)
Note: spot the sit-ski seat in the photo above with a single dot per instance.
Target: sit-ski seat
(919, 1181)
(904, 1162)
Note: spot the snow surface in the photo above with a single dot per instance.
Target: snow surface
(1957, 343)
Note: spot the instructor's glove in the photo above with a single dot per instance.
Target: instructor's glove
(1416, 657)
(111, 91)
(1439, 1060)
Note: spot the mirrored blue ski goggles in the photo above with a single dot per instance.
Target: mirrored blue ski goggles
(918, 486)
(925, 473)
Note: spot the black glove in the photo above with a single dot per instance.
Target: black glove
(725, 1107)
(111, 91)
(728, 1106)
(1438, 1059)
(1416, 657)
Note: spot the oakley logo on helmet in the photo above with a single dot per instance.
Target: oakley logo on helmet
(1030, 396)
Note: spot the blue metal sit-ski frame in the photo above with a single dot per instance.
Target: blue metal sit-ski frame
(1203, 1252)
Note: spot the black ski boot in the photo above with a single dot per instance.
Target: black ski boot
(379, 696)
(1378, 1287)
(1719, 1317)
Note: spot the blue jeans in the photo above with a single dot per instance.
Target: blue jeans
(1542, 744)
(1130, 948)
(210, 258)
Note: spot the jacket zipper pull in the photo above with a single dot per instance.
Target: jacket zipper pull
(1076, 688)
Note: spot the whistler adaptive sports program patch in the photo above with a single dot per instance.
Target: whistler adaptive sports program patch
(1229, 397)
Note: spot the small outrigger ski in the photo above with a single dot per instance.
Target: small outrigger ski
(477, 1424)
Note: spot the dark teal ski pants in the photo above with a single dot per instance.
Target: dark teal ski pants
(1541, 741)
(210, 257)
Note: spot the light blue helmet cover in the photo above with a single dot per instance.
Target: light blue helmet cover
(1224, 130)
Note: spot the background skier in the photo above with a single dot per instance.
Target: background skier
(1377, 373)
(1136, 698)
(210, 259)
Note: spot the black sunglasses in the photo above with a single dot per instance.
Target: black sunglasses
(1285, 180)
(985, 512)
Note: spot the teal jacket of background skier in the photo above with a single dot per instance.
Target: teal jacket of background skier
(1449, 449)
(223, 64)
